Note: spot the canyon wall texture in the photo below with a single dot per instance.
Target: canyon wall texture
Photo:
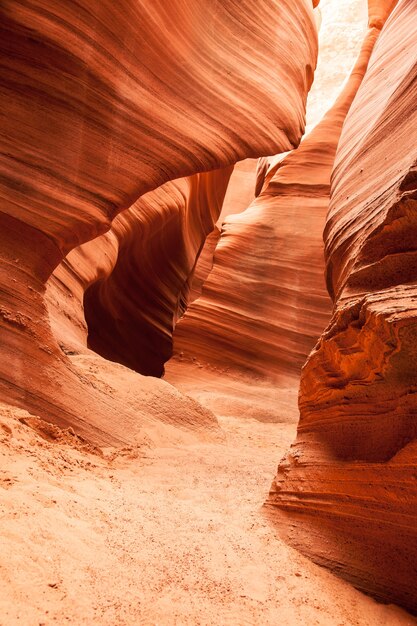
(102, 102)
(256, 314)
(239, 194)
(265, 302)
(346, 493)
(166, 242)
(131, 301)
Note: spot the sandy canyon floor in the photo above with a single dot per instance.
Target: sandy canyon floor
(165, 536)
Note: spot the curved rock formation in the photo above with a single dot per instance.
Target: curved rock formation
(254, 314)
(265, 302)
(131, 313)
(65, 289)
(102, 102)
(140, 275)
(239, 194)
(347, 492)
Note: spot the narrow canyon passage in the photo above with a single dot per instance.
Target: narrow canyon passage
(208, 318)
(172, 536)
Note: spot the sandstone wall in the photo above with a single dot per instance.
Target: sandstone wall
(346, 492)
(104, 101)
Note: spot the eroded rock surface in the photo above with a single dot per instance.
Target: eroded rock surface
(131, 313)
(265, 302)
(347, 490)
(102, 102)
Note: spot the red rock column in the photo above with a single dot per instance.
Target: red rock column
(346, 493)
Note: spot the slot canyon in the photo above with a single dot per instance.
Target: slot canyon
(208, 313)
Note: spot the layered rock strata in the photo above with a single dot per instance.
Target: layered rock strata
(140, 276)
(265, 302)
(240, 193)
(102, 102)
(346, 494)
(132, 298)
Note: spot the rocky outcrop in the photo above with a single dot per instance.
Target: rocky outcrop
(163, 255)
(239, 194)
(131, 301)
(265, 302)
(103, 102)
(346, 493)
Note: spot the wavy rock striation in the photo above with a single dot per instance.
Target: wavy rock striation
(140, 275)
(265, 302)
(240, 193)
(347, 492)
(102, 102)
(131, 313)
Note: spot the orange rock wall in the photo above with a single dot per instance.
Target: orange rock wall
(346, 494)
(93, 86)
(255, 313)
(265, 302)
(137, 276)
(104, 101)
(240, 193)
(131, 313)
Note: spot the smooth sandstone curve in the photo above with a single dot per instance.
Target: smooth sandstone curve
(102, 102)
(265, 304)
(346, 493)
